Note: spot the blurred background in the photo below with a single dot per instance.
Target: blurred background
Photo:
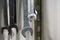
(47, 25)
(37, 22)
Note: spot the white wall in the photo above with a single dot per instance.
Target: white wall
(58, 20)
(49, 19)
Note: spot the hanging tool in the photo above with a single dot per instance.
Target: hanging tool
(28, 9)
(13, 27)
(6, 20)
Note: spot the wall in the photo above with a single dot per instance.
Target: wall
(49, 19)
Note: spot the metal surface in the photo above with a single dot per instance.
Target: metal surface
(13, 28)
(5, 34)
(6, 13)
(14, 33)
(26, 20)
(12, 7)
(6, 19)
